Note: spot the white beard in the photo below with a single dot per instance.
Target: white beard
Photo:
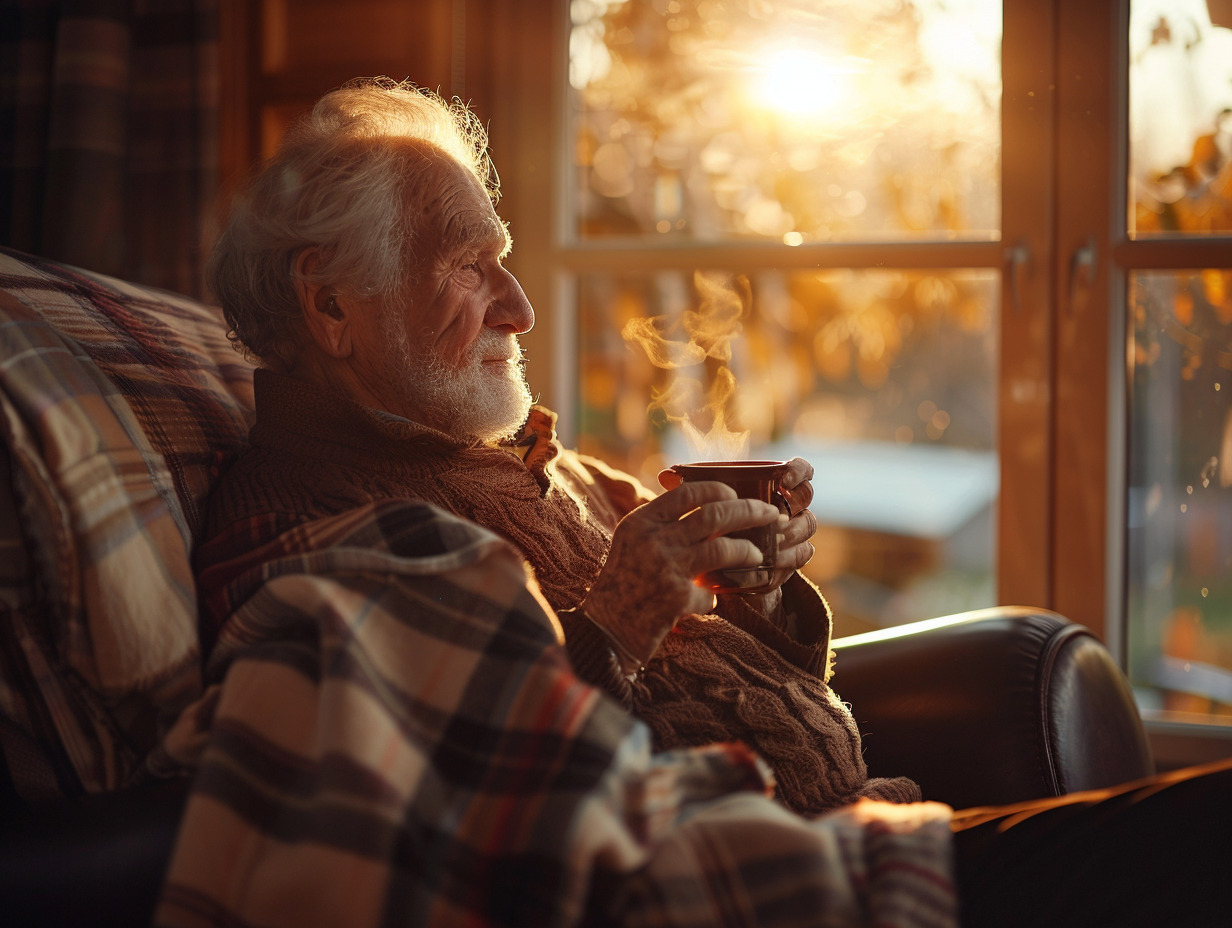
(485, 401)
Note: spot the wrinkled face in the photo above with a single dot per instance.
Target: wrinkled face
(453, 360)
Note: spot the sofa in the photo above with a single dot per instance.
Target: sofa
(120, 405)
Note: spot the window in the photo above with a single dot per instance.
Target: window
(978, 253)
(1179, 351)
(1037, 297)
(719, 151)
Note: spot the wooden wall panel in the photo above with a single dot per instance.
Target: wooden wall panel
(316, 36)
(279, 56)
(275, 119)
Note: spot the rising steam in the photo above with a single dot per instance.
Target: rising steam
(698, 348)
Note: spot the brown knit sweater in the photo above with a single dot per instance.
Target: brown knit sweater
(314, 454)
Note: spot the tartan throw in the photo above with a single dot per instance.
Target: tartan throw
(388, 730)
(119, 403)
(393, 735)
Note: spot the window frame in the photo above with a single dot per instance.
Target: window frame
(1096, 84)
(1063, 384)
(546, 258)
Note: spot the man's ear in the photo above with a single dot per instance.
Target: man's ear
(324, 312)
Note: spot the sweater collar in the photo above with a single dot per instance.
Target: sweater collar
(291, 412)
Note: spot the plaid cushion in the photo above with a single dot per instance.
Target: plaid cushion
(118, 405)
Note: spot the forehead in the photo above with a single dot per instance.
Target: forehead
(456, 209)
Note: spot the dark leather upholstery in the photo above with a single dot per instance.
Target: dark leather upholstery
(996, 706)
(991, 707)
(90, 862)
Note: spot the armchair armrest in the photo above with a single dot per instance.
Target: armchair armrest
(995, 706)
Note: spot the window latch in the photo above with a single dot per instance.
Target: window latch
(1017, 264)
(1081, 276)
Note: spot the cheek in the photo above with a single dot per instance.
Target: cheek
(376, 333)
(455, 341)
(456, 347)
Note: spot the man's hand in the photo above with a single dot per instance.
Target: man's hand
(795, 530)
(658, 550)
(795, 549)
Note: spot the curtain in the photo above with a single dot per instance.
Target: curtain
(109, 134)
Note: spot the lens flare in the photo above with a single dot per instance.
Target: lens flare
(801, 82)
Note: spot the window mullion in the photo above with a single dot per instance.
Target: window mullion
(1088, 475)
(1025, 389)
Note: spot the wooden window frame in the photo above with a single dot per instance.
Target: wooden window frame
(1063, 385)
(546, 260)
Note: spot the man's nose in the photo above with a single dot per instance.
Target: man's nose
(511, 310)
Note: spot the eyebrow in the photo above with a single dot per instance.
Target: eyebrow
(471, 236)
(506, 238)
(488, 233)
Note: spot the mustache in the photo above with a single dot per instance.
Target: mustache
(490, 345)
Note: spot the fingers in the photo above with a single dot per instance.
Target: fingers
(724, 516)
(795, 548)
(795, 484)
(795, 556)
(798, 497)
(688, 496)
(795, 472)
(722, 553)
(798, 529)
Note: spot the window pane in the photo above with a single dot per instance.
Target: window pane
(884, 380)
(1180, 492)
(797, 121)
(1180, 118)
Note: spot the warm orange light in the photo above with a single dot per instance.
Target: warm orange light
(800, 82)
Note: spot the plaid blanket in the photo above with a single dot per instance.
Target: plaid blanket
(392, 734)
(387, 730)
(118, 403)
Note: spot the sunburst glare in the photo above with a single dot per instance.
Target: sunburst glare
(801, 82)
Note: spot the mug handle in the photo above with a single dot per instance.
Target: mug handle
(795, 500)
(669, 479)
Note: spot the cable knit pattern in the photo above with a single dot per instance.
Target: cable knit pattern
(710, 679)
(314, 454)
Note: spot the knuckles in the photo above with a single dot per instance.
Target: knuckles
(801, 528)
(798, 470)
(796, 556)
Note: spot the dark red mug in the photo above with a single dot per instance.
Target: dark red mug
(751, 480)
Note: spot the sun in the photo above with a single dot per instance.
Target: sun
(800, 82)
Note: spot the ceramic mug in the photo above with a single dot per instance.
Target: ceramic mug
(751, 480)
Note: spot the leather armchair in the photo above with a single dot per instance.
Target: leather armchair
(995, 706)
(988, 707)
(92, 861)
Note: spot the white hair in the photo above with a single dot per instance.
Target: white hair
(340, 182)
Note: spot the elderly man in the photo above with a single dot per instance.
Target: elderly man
(387, 327)
(430, 630)
(401, 672)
